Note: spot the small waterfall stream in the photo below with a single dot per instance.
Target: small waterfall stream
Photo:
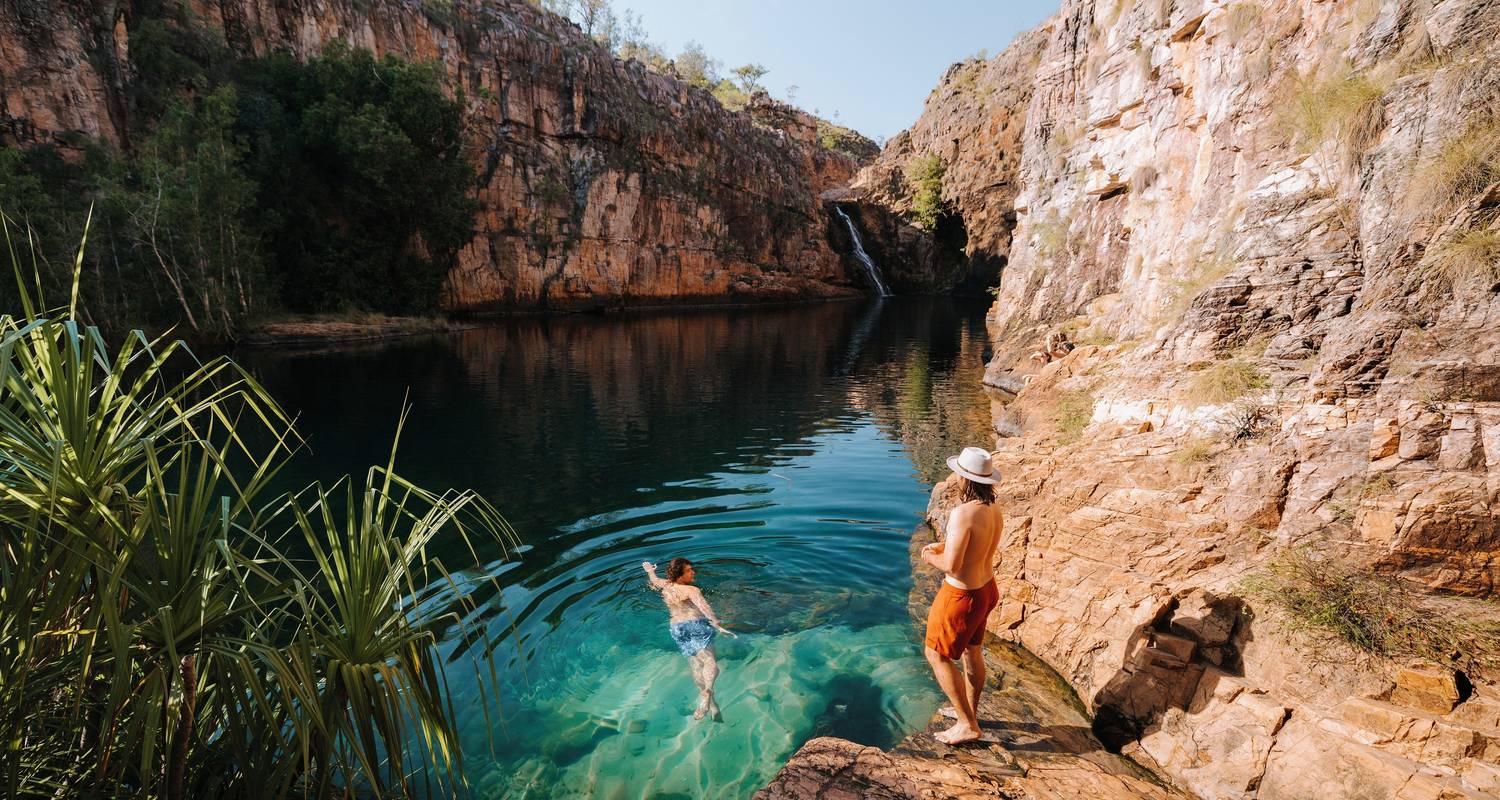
(872, 271)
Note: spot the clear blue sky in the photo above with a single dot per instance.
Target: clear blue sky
(873, 61)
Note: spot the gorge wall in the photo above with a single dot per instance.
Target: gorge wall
(1270, 231)
(600, 182)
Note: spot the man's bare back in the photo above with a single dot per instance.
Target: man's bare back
(974, 533)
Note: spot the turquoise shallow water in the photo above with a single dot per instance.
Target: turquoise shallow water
(788, 452)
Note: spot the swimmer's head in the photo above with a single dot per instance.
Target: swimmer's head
(680, 570)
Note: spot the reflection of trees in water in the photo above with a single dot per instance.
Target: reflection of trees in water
(563, 417)
(931, 398)
(573, 425)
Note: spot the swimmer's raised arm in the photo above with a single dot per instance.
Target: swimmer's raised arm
(656, 583)
(695, 596)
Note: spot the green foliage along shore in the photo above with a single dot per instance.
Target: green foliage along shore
(336, 184)
(171, 628)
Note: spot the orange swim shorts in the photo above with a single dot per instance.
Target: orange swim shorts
(957, 618)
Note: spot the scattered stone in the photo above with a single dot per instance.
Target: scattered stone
(1427, 689)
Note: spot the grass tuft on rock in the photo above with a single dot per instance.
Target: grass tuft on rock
(1340, 104)
(1224, 381)
(1073, 413)
(1194, 451)
(1323, 596)
(1472, 256)
(1461, 168)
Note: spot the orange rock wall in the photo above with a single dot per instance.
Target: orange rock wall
(601, 183)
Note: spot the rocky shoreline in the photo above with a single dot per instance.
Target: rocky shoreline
(1047, 750)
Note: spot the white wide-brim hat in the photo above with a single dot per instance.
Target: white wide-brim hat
(975, 464)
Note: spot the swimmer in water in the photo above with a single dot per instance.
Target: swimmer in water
(693, 626)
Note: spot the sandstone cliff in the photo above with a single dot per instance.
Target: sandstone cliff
(601, 183)
(1271, 228)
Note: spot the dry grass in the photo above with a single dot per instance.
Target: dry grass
(1194, 451)
(1224, 381)
(1242, 19)
(1461, 168)
(1072, 414)
(1377, 486)
(1472, 257)
(1325, 597)
(1339, 104)
(1198, 276)
(1050, 236)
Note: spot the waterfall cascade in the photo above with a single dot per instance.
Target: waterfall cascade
(871, 271)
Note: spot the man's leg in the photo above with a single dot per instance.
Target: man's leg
(710, 675)
(952, 684)
(705, 687)
(974, 673)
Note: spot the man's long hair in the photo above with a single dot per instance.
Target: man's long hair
(676, 567)
(973, 490)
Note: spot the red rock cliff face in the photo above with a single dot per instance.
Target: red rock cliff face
(1271, 227)
(601, 183)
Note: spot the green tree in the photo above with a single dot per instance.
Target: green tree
(696, 67)
(363, 187)
(181, 208)
(924, 179)
(749, 76)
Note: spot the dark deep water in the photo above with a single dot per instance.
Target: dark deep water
(788, 451)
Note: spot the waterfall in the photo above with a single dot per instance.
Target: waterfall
(872, 271)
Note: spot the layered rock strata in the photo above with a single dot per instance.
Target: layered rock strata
(1271, 229)
(600, 182)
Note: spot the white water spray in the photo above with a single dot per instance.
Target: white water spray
(872, 271)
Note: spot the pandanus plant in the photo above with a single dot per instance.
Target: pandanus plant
(170, 627)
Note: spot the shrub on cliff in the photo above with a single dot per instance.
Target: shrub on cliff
(924, 179)
(1324, 596)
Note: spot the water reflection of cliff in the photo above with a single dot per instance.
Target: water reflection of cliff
(561, 417)
(930, 396)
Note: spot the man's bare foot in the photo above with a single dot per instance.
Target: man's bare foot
(702, 710)
(714, 713)
(958, 734)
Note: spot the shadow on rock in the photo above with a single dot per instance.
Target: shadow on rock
(1165, 661)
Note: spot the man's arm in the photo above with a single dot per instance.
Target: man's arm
(948, 556)
(695, 596)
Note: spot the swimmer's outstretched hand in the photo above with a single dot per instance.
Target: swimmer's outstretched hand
(731, 633)
(648, 566)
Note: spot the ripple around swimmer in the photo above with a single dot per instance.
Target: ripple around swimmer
(616, 725)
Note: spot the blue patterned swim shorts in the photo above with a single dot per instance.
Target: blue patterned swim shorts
(693, 636)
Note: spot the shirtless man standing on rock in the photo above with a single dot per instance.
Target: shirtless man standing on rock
(955, 625)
